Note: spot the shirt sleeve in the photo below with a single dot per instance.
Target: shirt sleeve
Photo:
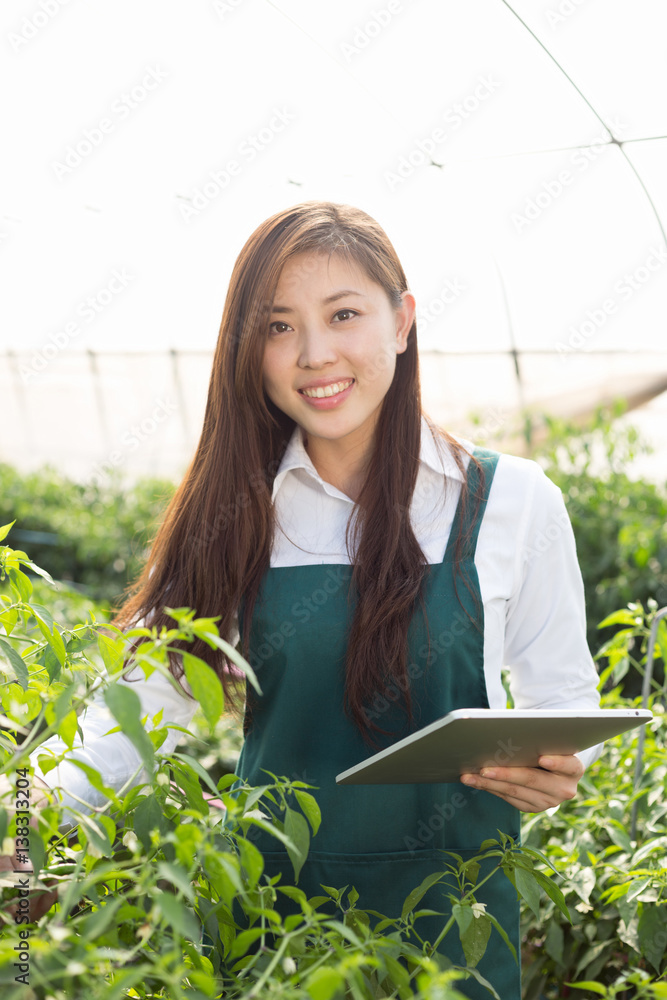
(113, 755)
(545, 637)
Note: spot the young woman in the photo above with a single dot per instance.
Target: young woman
(379, 571)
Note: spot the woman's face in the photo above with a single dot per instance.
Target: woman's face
(335, 333)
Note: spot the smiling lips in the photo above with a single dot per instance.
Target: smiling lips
(320, 391)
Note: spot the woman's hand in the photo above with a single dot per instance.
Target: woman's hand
(531, 789)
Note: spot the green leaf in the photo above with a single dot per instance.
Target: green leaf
(111, 651)
(656, 844)
(17, 662)
(628, 931)
(203, 773)
(50, 632)
(463, 915)
(95, 924)
(588, 960)
(587, 985)
(58, 646)
(483, 982)
(503, 933)
(399, 974)
(178, 876)
(252, 861)
(178, 916)
(583, 883)
(554, 893)
(148, 816)
(311, 809)
(418, 894)
(296, 828)
(622, 617)
(471, 869)
(205, 686)
(39, 571)
(243, 941)
(653, 934)
(324, 983)
(5, 529)
(100, 831)
(39, 611)
(67, 727)
(232, 653)
(527, 887)
(271, 828)
(21, 583)
(125, 706)
(554, 942)
(475, 938)
(618, 834)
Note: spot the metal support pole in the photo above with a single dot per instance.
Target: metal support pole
(646, 690)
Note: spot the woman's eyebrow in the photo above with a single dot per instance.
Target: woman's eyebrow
(330, 298)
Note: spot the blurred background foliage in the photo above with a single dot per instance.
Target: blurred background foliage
(619, 522)
(94, 536)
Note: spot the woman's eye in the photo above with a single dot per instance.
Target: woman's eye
(278, 323)
(350, 312)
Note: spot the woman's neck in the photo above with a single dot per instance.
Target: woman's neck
(338, 463)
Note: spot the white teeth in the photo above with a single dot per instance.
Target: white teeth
(327, 390)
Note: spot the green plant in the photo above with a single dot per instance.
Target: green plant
(618, 935)
(150, 880)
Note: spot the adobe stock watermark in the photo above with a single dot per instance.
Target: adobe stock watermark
(453, 117)
(191, 206)
(624, 289)
(492, 420)
(437, 305)
(88, 310)
(364, 34)
(121, 109)
(552, 189)
(307, 607)
(445, 812)
(562, 11)
(228, 513)
(544, 540)
(33, 24)
(225, 7)
(132, 438)
(393, 692)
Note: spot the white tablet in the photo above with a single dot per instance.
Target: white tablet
(472, 738)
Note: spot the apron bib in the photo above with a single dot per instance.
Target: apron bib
(381, 839)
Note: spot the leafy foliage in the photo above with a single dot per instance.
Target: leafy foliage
(617, 939)
(161, 891)
(148, 882)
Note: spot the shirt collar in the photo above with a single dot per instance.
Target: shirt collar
(438, 459)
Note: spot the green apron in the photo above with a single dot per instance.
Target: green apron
(381, 839)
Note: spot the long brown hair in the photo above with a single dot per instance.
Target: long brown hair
(214, 543)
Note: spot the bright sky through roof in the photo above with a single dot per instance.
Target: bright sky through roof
(145, 142)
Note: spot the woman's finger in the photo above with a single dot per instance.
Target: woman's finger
(531, 789)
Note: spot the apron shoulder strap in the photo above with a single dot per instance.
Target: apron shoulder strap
(472, 503)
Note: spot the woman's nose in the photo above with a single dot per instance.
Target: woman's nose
(316, 347)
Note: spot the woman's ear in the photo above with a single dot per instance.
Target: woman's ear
(405, 315)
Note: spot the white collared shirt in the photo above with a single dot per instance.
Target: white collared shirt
(529, 578)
